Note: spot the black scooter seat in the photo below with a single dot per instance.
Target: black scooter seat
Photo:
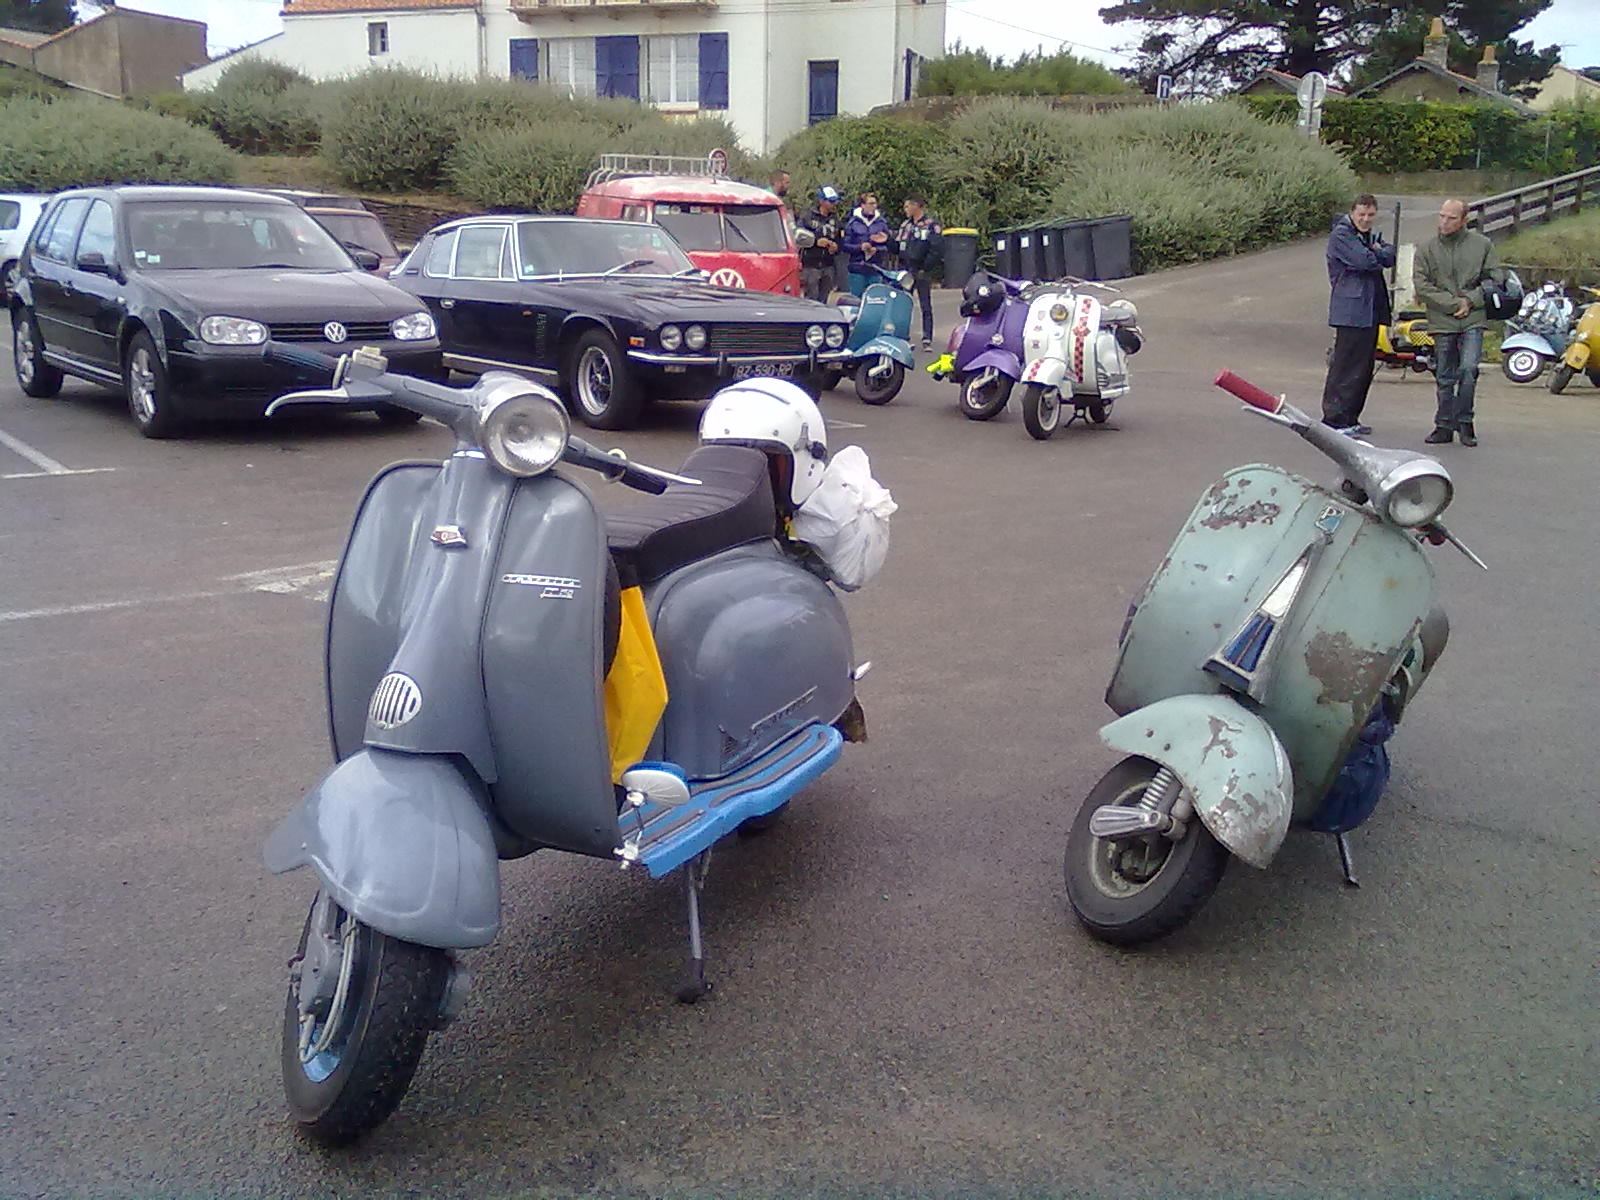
(732, 505)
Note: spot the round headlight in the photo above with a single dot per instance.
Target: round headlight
(671, 337)
(232, 331)
(414, 328)
(694, 337)
(835, 336)
(1059, 314)
(815, 336)
(521, 425)
(1418, 500)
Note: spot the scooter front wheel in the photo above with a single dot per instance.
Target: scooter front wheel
(984, 394)
(370, 1001)
(882, 389)
(1135, 890)
(1041, 411)
(1523, 365)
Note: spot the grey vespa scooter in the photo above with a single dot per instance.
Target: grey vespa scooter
(477, 623)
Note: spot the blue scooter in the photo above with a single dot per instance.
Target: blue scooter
(879, 345)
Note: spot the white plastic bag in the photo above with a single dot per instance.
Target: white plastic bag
(847, 519)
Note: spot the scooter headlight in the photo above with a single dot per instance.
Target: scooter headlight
(1059, 313)
(521, 425)
(694, 337)
(835, 336)
(815, 336)
(1415, 494)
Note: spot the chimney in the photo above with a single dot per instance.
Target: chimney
(1489, 71)
(1436, 46)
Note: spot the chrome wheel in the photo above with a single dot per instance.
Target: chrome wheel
(594, 381)
(1041, 411)
(142, 386)
(1523, 365)
(23, 350)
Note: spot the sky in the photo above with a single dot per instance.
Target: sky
(1003, 27)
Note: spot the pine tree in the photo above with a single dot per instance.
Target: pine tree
(44, 16)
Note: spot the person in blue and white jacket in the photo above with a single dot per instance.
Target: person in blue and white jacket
(866, 241)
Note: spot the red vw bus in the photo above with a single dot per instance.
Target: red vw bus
(736, 232)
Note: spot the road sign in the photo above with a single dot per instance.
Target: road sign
(1163, 87)
(1313, 87)
(719, 162)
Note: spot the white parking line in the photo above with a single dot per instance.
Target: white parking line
(47, 465)
(313, 581)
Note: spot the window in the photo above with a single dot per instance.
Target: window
(56, 243)
(822, 90)
(378, 37)
(673, 69)
(478, 255)
(714, 70)
(10, 214)
(696, 226)
(99, 233)
(440, 253)
(524, 58)
(755, 229)
(569, 65)
(616, 66)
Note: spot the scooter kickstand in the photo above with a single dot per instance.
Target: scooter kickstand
(694, 984)
(1344, 860)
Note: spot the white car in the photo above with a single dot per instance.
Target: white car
(18, 212)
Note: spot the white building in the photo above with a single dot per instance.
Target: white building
(772, 66)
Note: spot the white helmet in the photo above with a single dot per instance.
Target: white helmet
(776, 416)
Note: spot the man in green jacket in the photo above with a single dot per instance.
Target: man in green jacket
(1448, 278)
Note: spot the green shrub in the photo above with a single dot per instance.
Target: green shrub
(1004, 160)
(262, 122)
(17, 81)
(260, 75)
(45, 147)
(964, 72)
(891, 157)
(541, 168)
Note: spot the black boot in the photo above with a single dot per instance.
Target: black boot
(1439, 436)
(1468, 437)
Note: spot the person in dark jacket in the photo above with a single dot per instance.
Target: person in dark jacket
(1358, 303)
(816, 260)
(866, 241)
(921, 244)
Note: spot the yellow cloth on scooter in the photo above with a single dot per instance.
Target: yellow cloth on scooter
(636, 687)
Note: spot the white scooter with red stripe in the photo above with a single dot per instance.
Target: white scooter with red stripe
(1077, 349)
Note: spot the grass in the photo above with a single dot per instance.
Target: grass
(1468, 185)
(1569, 246)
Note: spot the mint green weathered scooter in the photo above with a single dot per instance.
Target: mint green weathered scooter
(1261, 670)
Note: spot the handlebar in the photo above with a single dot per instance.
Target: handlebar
(1249, 392)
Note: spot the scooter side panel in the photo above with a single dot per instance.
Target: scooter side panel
(1529, 341)
(894, 347)
(400, 841)
(1229, 760)
(753, 647)
(1004, 361)
(542, 671)
(1358, 614)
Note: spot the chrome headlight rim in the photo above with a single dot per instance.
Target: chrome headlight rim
(695, 337)
(670, 337)
(1060, 313)
(521, 426)
(1391, 493)
(816, 337)
(414, 327)
(835, 336)
(221, 330)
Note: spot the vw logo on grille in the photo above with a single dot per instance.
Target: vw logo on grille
(335, 332)
(395, 701)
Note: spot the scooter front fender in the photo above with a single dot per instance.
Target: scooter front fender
(1577, 355)
(1229, 761)
(1004, 361)
(1048, 371)
(1529, 341)
(896, 349)
(401, 842)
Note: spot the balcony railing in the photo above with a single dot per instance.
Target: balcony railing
(529, 8)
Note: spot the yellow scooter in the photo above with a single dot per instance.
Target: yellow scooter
(1583, 354)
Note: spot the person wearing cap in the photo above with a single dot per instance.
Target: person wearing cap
(816, 261)
(921, 243)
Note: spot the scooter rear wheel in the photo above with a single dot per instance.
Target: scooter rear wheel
(346, 1068)
(1134, 891)
(984, 394)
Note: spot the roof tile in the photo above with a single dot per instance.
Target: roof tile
(295, 8)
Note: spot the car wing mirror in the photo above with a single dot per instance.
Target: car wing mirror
(95, 263)
(367, 260)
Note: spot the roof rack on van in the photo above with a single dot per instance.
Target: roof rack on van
(619, 166)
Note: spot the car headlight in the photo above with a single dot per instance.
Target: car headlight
(232, 331)
(1059, 313)
(694, 337)
(815, 336)
(671, 337)
(415, 328)
(835, 336)
(521, 425)
(1415, 495)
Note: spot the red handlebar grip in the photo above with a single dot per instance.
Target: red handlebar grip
(1248, 392)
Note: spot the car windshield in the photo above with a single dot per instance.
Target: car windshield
(595, 247)
(176, 235)
(696, 226)
(755, 229)
(359, 229)
(741, 228)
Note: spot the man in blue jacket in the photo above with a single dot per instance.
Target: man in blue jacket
(866, 240)
(1358, 303)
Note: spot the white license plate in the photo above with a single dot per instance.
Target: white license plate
(747, 370)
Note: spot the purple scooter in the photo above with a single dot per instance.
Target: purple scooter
(985, 354)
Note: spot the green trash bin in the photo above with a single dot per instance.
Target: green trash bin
(960, 256)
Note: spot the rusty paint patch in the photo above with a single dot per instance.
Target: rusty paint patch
(1220, 731)
(1256, 510)
(1348, 674)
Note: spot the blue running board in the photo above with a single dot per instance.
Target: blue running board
(673, 834)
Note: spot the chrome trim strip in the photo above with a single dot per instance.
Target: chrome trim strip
(711, 360)
(461, 361)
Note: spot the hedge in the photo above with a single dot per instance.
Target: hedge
(49, 145)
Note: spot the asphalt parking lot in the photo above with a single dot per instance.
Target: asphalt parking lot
(904, 1006)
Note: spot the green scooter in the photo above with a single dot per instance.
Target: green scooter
(1261, 670)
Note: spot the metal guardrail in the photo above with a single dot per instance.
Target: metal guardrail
(1507, 213)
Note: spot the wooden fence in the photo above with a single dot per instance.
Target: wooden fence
(1509, 212)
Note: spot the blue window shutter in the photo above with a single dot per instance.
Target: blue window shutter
(525, 58)
(713, 70)
(616, 67)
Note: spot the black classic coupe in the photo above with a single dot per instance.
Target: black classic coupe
(611, 312)
(169, 293)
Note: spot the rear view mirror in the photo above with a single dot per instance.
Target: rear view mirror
(94, 262)
(367, 260)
